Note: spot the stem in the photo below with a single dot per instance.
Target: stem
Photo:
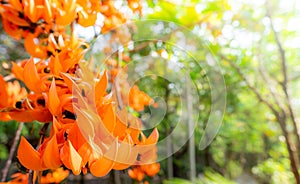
(11, 152)
(42, 134)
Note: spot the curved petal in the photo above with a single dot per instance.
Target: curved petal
(153, 137)
(55, 65)
(53, 100)
(102, 166)
(100, 87)
(41, 115)
(31, 77)
(50, 156)
(47, 12)
(29, 157)
(70, 158)
(17, 71)
(3, 93)
(126, 155)
(75, 159)
(109, 118)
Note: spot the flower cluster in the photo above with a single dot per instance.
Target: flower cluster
(139, 172)
(42, 22)
(88, 132)
(54, 176)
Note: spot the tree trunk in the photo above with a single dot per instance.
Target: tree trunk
(170, 158)
(191, 131)
(291, 148)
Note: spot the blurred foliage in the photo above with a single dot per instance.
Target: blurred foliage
(209, 177)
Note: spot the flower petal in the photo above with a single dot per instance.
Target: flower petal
(53, 100)
(31, 77)
(100, 87)
(50, 156)
(71, 158)
(17, 71)
(41, 115)
(28, 156)
(102, 166)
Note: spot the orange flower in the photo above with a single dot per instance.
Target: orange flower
(151, 169)
(86, 137)
(10, 93)
(54, 177)
(138, 99)
(17, 105)
(135, 5)
(139, 172)
(11, 29)
(136, 173)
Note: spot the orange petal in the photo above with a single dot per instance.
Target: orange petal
(109, 118)
(126, 155)
(66, 18)
(47, 12)
(17, 71)
(11, 29)
(76, 137)
(51, 157)
(15, 19)
(4, 116)
(68, 80)
(102, 166)
(31, 77)
(121, 124)
(3, 94)
(151, 169)
(28, 156)
(70, 158)
(100, 87)
(136, 173)
(53, 101)
(30, 10)
(75, 159)
(86, 20)
(16, 4)
(55, 66)
(153, 137)
(41, 115)
(85, 152)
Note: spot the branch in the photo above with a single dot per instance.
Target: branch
(11, 152)
(253, 89)
(270, 84)
(293, 78)
(42, 133)
(284, 83)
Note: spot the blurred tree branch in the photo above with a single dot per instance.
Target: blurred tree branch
(281, 117)
(11, 152)
(284, 83)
